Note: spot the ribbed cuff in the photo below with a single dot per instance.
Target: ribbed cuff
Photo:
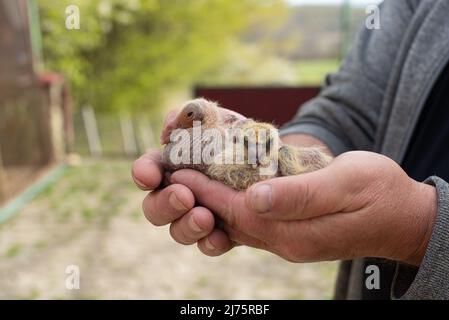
(432, 277)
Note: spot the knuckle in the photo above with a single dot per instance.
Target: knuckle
(232, 219)
(302, 200)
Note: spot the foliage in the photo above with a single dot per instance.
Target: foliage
(250, 64)
(127, 52)
(313, 72)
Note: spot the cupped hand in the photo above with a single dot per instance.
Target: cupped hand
(362, 204)
(174, 204)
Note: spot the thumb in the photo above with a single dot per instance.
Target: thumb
(299, 197)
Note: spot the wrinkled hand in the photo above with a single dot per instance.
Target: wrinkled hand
(175, 204)
(362, 204)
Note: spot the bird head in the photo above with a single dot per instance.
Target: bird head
(194, 110)
(200, 109)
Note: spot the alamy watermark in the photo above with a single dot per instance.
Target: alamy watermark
(372, 281)
(372, 21)
(72, 280)
(251, 146)
(72, 17)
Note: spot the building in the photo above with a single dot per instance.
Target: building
(34, 106)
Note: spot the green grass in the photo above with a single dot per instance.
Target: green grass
(313, 72)
(136, 215)
(87, 213)
(32, 295)
(95, 189)
(202, 282)
(13, 251)
(81, 209)
(40, 244)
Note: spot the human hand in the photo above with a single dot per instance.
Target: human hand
(362, 204)
(174, 203)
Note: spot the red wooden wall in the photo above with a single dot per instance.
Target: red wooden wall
(271, 104)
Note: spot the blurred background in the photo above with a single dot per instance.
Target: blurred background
(77, 105)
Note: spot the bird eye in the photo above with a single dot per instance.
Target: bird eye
(190, 114)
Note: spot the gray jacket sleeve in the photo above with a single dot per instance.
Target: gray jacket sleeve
(431, 280)
(346, 116)
(346, 113)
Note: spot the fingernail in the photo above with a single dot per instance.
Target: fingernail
(193, 225)
(261, 198)
(175, 203)
(140, 184)
(208, 244)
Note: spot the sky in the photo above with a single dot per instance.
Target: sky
(334, 2)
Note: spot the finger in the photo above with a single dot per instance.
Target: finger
(212, 194)
(215, 244)
(241, 238)
(167, 205)
(193, 226)
(226, 203)
(300, 197)
(170, 123)
(147, 171)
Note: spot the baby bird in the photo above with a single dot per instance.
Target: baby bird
(232, 149)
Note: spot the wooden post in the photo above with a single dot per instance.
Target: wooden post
(147, 140)
(93, 136)
(2, 181)
(129, 139)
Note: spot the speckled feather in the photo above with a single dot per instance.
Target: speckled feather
(291, 160)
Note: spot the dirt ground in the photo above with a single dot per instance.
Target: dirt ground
(92, 219)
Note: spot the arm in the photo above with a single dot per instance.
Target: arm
(427, 271)
(305, 140)
(430, 280)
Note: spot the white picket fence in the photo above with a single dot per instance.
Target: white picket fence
(136, 134)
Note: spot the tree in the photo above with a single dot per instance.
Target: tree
(127, 52)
